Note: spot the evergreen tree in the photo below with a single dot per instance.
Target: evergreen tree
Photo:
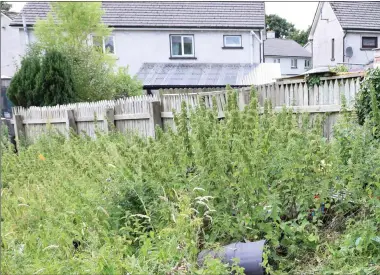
(55, 84)
(23, 87)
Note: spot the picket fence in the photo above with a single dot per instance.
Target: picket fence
(143, 113)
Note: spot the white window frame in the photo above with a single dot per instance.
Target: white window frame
(182, 45)
(104, 43)
(307, 63)
(225, 45)
(293, 66)
(277, 60)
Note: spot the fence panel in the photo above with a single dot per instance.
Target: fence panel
(142, 114)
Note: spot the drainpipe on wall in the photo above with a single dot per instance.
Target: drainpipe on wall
(253, 34)
(344, 50)
(25, 29)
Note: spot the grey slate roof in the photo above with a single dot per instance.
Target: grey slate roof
(358, 15)
(284, 47)
(194, 74)
(10, 14)
(197, 14)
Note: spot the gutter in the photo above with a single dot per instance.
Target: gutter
(253, 34)
(25, 29)
(344, 51)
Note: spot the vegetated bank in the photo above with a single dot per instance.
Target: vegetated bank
(125, 205)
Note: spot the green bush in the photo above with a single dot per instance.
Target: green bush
(42, 80)
(55, 83)
(23, 89)
(120, 204)
(368, 99)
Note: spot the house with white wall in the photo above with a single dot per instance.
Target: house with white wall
(10, 44)
(192, 36)
(345, 33)
(292, 57)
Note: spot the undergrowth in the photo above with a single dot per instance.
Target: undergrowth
(121, 204)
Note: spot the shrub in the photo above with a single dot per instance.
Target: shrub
(42, 80)
(144, 206)
(23, 89)
(368, 99)
(55, 84)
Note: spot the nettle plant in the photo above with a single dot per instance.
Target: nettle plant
(145, 206)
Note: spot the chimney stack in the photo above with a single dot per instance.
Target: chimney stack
(271, 34)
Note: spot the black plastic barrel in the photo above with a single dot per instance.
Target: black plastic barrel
(250, 256)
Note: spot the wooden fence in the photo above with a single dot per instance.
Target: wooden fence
(142, 114)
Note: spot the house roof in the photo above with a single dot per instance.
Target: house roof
(357, 15)
(284, 47)
(157, 14)
(194, 74)
(10, 14)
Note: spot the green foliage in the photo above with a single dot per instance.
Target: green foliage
(5, 6)
(42, 80)
(300, 36)
(285, 29)
(125, 85)
(312, 80)
(71, 33)
(367, 103)
(55, 83)
(279, 25)
(144, 206)
(23, 89)
(339, 69)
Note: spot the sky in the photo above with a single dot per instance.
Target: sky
(301, 14)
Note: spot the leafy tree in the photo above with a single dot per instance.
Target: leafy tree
(23, 89)
(125, 85)
(70, 31)
(279, 25)
(285, 29)
(5, 6)
(55, 84)
(300, 36)
(42, 80)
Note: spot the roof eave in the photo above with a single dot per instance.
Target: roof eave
(360, 29)
(166, 27)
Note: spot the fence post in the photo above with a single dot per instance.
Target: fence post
(70, 122)
(19, 129)
(155, 116)
(110, 119)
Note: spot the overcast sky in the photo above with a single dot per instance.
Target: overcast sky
(301, 14)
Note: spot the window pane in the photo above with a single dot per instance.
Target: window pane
(97, 41)
(188, 45)
(232, 41)
(176, 45)
(109, 44)
(369, 42)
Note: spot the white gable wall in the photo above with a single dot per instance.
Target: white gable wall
(285, 64)
(328, 28)
(133, 47)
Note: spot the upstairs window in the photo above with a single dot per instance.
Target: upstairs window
(307, 63)
(104, 44)
(232, 41)
(294, 64)
(277, 60)
(182, 45)
(369, 42)
(333, 49)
